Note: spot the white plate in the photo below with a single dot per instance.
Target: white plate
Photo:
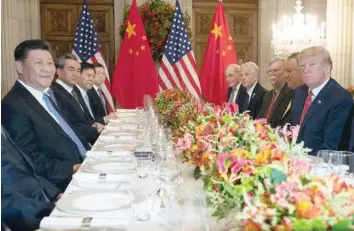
(125, 110)
(91, 201)
(105, 154)
(126, 115)
(96, 185)
(123, 121)
(109, 167)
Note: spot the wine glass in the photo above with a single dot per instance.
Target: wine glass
(324, 155)
(341, 162)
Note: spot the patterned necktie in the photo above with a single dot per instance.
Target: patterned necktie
(307, 105)
(62, 123)
(271, 105)
(232, 96)
(100, 93)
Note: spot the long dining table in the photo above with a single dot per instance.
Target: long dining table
(188, 215)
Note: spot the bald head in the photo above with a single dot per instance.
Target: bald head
(233, 75)
(250, 74)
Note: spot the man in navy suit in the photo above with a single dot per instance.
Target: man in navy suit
(351, 141)
(25, 197)
(69, 71)
(236, 92)
(321, 106)
(35, 123)
(253, 99)
(85, 83)
(96, 96)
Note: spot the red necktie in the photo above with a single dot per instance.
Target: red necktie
(307, 105)
(271, 105)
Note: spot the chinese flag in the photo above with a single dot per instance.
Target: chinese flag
(135, 73)
(220, 53)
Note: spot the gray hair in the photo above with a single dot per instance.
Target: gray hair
(276, 60)
(62, 60)
(254, 68)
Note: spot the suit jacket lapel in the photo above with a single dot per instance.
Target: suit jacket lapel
(316, 104)
(254, 94)
(83, 104)
(38, 108)
(280, 98)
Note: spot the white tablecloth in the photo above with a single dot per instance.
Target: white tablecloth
(141, 188)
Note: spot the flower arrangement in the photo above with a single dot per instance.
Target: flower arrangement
(351, 90)
(300, 203)
(157, 16)
(176, 107)
(249, 168)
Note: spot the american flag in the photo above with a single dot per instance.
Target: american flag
(87, 48)
(178, 68)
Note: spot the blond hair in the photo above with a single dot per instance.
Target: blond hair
(317, 51)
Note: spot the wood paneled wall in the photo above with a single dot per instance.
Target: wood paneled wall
(59, 19)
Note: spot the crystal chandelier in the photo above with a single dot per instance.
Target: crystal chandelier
(293, 34)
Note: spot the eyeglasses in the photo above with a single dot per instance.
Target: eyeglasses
(269, 72)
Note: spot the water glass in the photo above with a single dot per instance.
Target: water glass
(141, 211)
(143, 165)
(324, 155)
(341, 162)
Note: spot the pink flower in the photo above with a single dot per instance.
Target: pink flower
(184, 143)
(237, 165)
(221, 161)
(300, 167)
(231, 108)
(295, 133)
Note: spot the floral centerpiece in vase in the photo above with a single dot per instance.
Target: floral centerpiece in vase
(157, 17)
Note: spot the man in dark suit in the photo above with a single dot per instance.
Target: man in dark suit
(84, 84)
(96, 96)
(69, 70)
(236, 92)
(321, 106)
(351, 142)
(253, 99)
(293, 77)
(25, 197)
(33, 120)
(275, 102)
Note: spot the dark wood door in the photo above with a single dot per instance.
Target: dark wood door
(58, 25)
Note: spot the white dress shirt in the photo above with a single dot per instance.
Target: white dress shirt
(250, 91)
(86, 99)
(318, 89)
(65, 86)
(38, 95)
(236, 92)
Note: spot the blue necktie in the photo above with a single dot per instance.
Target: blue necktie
(62, 123)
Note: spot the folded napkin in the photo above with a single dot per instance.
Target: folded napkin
(76, 223)
(96, 177)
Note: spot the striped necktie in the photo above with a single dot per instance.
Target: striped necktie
(307, 105)
(62, 123)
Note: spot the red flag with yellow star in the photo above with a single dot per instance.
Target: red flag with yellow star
(220, 53)
(135, 73)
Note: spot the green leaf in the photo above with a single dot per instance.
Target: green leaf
(341, 226)
(196, 173)
(230, 189)
(277, 176)
(318, 225)
(302, 225)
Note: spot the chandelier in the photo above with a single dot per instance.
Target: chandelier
(293, 34)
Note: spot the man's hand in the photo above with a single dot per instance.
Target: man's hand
(98, 126)
(110, 116)
(76, 167)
